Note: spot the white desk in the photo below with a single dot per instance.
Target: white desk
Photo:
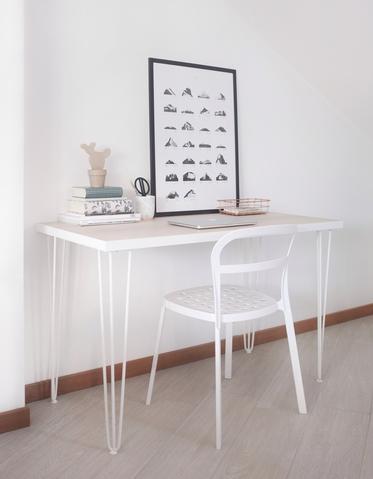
(152, 234)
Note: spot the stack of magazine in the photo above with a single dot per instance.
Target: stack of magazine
(99, 206)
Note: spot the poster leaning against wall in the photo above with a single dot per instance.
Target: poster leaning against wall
(193, 136)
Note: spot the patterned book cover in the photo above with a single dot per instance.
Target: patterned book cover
(101, 207)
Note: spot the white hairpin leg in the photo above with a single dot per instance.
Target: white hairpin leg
(113, 429)
(249, 337)
(252, 283)
(322, 292)
(56, 312)
(250, 254)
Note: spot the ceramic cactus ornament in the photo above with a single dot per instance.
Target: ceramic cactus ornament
(97, 173)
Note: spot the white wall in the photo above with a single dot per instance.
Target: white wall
(86, 76)
(11, 200)
(332, 47)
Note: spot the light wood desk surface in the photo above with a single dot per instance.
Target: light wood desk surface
(157, 232)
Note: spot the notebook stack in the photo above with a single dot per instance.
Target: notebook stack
(99, 206)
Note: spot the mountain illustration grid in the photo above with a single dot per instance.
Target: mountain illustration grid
(206, 110)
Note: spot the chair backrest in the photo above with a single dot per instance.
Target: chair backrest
(219, 269)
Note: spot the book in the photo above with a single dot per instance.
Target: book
(95, 192)
(82, 220)
(102, 206)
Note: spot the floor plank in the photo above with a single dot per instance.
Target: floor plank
(367, 465)
(191, 452)
(265, 447)
(349, 387)
(263, 434)
(332, 447)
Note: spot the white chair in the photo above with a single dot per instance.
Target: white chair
(230, 303)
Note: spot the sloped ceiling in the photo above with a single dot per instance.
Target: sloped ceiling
(330, 43)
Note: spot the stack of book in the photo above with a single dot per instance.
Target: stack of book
(99, 206)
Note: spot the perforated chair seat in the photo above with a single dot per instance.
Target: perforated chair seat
(237, 302)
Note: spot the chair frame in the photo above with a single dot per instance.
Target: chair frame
(283, 304)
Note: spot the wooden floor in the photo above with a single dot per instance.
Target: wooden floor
(263, 434)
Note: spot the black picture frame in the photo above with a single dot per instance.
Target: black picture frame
(152, 133)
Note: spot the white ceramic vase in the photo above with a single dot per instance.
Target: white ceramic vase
(145, 205)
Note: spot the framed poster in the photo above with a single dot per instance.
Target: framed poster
(193, 136)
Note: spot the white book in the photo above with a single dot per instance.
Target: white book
(82, 220)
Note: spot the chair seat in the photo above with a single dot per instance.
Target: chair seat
(235, 301)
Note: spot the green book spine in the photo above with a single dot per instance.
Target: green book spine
(92, 192)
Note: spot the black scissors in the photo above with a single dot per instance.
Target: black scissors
(142, 186)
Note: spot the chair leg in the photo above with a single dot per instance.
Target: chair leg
(155, 357)
(294, 357)
(218, 388)
(228, 351)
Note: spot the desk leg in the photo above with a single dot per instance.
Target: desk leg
(322, 293)
(250, 254)
(252, 283)
(56, 309)
(249, 337)
(113, 428)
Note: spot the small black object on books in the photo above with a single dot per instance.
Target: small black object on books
(142, 186)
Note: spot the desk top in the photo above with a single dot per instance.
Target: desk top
(157, 232)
